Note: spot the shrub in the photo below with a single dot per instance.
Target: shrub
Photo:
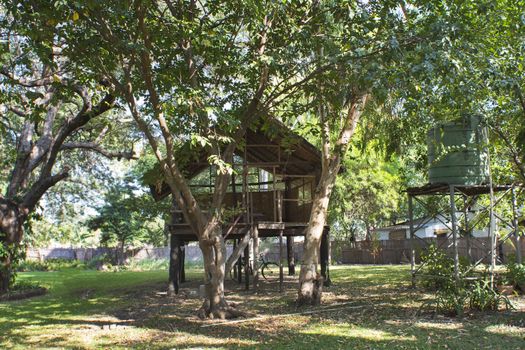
(148, 264)
(54, 264)
(454, 297)
(451, 301)
(438, 270)
(483, 297)
(97, 262)
(33, 265)
(22, 285)
(515, 274)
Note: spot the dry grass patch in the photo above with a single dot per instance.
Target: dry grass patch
(367, 307)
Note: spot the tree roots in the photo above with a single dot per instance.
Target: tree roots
(222, 311)
(310, 292)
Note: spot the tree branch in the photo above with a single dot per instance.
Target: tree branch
(512, 150)
(47, 80)
(81, 119)
(40, 187)
(96, 147)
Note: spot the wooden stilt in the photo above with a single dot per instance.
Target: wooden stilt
(324, 258)
(290, 255)
(239, 267)
(255, 257)
(235, 264)
(247, 267)
(174, 269)
(183, 263)
(281, 274)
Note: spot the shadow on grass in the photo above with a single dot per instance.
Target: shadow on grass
(380, 311)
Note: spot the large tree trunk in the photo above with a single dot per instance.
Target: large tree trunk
(310, 280)
(214, 254)
(5, 273)
(11, 230)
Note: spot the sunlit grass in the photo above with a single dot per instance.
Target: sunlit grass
(368, 307)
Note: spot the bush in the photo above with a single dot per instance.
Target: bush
(23, 285)
(22, 290)
(515, 274)
(148, 264)
(438, 270)
(454, 297)
(451, 301)
(483, 297)
(32, 265)
(54, 264)
(474, 296)
(98, 262)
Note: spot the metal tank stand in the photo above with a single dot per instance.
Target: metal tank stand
(453, 205)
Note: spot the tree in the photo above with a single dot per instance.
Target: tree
(387, 45)
(128, 217)
(47, 112)
(481, 72)
(199, 71)
(366, 194)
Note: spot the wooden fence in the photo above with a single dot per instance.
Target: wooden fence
(398, 251)
(342, 252)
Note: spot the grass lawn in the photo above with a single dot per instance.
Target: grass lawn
(368, 307)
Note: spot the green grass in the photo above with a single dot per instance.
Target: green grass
(368, 307)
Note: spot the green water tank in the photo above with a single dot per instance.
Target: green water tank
(457, 153)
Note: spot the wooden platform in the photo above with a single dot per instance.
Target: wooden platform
(234, 231)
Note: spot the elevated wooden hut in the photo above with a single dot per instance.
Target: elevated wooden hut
(271, 191)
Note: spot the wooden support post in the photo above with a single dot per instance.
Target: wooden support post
(183, 263)
(235, 264)
(247, 267)
(324, 258)
(453, 220)
(279, 212)
(276, 210)
(176, 265)
(517, 236)
(290, 255)
(412, 233)
(174, 269)
(255, 236)
(239, 267)
(281, 273)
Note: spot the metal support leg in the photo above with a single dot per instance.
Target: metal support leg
(454, 233)
(412, 249)
(467, 230)
(492, 237)
(517, 236)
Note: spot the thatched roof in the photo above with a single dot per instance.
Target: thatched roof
(268, 142)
